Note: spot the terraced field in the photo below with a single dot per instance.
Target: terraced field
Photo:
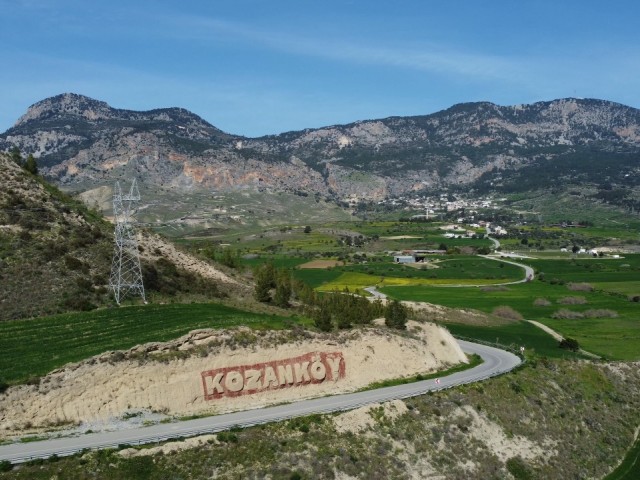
(44, 344)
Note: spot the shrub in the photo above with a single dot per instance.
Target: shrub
(519, 469)
(79, 303)
(600, 313)
(73, 263)
(580, 287)
(572, 300)
(565, 313)
(569, 344)
(5, 466)
(541, 302)
(507, 312)
(227, 437)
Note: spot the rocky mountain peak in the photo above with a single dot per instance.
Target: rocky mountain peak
(74, 108)
(66, 105)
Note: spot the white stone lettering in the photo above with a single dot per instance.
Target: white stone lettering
(234, 381)
(269, 377)
(301, 372)
(334, 366)
(252, 380)
(215, 383)
(318, 370)
(285, 374)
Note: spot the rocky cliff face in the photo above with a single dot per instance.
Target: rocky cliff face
(85, 143)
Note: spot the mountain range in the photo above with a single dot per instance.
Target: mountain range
(82, 143)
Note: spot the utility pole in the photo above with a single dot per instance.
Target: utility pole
(126, 274)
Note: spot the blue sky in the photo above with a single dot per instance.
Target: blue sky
(257, 67)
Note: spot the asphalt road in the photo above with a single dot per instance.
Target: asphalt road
(495, 362)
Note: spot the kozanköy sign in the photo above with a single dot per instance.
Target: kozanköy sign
(310, 368)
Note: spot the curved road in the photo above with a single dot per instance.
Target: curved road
(496, 362)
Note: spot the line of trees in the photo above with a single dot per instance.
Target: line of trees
(340, 310)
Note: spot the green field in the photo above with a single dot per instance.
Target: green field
(615, 337)
(458, 270)
(31, 348)
(514, 335)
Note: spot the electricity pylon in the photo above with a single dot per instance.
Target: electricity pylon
(126, 274)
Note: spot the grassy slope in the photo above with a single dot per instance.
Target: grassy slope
(50, 244)
(74, 337)
(55, 253)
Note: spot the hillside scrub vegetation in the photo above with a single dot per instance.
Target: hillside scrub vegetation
(55, 253)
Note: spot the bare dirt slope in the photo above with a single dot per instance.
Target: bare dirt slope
(202, 373)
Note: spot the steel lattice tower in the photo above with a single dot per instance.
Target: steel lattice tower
(126, 274)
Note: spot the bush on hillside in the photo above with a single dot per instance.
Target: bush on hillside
(569, 344)
(541, 302)
(507, 312)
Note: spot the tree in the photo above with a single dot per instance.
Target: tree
(31, 165)
(283, 288)
(322, 319)
(264, 277)
(307, 229)
(395, 315)
(575, 249)
(230, 258)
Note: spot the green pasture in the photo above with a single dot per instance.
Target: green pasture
(613, 338)
(444, 268)
(458, 270)
(514, 335)
(629, 288)
(31, 348)
(616, 338)
(589, 269)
